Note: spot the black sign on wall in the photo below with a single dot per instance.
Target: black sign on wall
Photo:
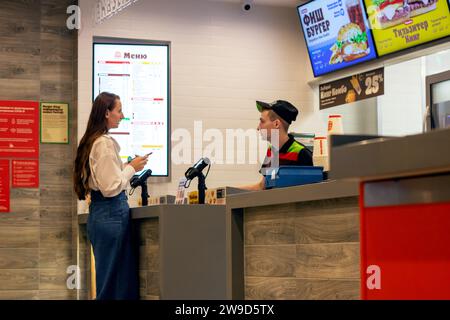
(354, 88)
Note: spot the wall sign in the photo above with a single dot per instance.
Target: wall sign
(105, 9)
(354, 88)
(54, 122)
(4, 186)
(25, 173)
(19, 129)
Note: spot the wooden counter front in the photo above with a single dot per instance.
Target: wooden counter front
(295, 243)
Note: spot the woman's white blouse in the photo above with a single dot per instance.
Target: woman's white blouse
(109, 174)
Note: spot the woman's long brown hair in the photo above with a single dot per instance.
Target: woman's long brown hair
(96, 127)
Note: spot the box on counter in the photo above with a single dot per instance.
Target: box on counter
(287, 176)
(167, 199)
(214, 196)
(193, 197)
(153, 201)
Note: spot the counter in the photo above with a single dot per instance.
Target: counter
(387, 157)
(181, 250)
(299, 242)
(405, 213)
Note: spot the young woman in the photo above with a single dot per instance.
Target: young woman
(100, 173)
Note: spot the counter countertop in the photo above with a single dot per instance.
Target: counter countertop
(385, 158)
(309, 192)
(140, 212)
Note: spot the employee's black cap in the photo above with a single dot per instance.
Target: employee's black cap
(284, 109)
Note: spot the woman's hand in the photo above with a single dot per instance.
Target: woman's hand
(139, 162)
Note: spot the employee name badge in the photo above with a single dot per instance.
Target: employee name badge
(180, 191)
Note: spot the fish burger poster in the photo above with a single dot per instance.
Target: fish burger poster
(337, 34)
(401, 24)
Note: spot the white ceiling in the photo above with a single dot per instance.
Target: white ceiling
(278, 3)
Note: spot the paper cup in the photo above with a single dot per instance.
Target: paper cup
(320, 153)
(335, 124)
(320, 146)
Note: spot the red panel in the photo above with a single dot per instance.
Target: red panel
(19, 129)
(4, 186)
(25, 173)
(411, 245)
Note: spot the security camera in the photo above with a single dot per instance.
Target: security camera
(247, 5)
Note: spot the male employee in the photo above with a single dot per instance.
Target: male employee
(278, 115)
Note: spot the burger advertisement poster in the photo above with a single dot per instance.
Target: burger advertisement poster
(337, 34)
(401, 24)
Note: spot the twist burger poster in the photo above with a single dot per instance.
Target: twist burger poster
(337, 34)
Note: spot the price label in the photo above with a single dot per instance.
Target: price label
(351, 89)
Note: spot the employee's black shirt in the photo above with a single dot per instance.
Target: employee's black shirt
(292, 153)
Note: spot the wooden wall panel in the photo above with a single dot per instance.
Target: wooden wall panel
(263, 288)
(327, 228)
(53, 279)
(37, 54)
(308, 289)
(152, 254)
(19, 259)
(19, 294)
(19, 279)
(57, 295)
(149, 259)
(274, 231)
(153, 284)
(58, 237)
(330, 260)
(54, 216)
(267, 288)
(19, 237)
(52, 257)
(20, 217)
(302, 250)
(19, 89)
(270, 261)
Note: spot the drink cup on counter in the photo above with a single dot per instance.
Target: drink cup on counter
(335, 124)
(320, 153)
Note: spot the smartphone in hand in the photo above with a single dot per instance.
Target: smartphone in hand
(129, 159)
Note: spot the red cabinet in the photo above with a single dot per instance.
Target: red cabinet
(405, 240)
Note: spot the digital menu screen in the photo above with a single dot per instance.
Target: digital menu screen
(401, 24)
(337, 34)
(139, 74)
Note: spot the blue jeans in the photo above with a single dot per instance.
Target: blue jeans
(109, 231)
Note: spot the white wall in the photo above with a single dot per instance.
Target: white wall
(400, 111)
(437, 62)
(222, 61)
(400, 108)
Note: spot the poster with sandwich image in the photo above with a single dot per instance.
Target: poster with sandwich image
(336, 33)
(401, 24)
